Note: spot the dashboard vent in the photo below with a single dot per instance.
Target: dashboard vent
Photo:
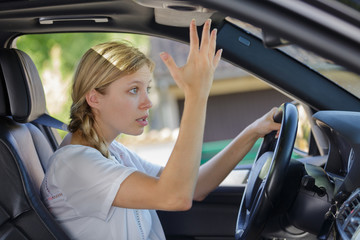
(348, 218)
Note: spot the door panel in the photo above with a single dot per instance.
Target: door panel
(213, 218)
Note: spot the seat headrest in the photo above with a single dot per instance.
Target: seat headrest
(23, 84)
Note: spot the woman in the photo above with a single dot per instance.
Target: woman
(98, 189)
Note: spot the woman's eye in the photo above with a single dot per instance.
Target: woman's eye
(133, 90)
(148, 89)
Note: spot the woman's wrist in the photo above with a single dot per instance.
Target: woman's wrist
(196, 97)
(252, 132)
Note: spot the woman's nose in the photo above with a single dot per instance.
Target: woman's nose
(146, 103)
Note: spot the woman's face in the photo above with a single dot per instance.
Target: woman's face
(124, 108)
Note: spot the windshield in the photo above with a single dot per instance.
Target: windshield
(344, 78)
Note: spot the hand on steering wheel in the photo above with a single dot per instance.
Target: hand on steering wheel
(267, 174)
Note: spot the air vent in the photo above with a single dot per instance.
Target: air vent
(348, 218)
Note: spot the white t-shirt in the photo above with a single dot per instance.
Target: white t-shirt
(80, 185)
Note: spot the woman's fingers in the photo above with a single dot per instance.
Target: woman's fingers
(170, 64)
(194, 38)
(217, 58)
(204, 46)
(201, 61)
(208, 43)
(212, 43)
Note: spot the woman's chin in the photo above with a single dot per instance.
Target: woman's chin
(135, 133)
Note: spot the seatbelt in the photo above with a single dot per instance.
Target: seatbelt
(49, 121)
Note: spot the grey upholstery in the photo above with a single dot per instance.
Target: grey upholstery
(22, 146)
(23, 84)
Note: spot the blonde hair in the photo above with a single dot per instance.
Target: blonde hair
(98, 68)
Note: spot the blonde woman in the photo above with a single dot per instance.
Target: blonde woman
(97, 188)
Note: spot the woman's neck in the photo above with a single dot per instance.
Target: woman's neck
(77, 139)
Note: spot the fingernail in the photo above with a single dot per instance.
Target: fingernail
(163, 56)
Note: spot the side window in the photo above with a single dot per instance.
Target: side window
(56, 57)
(302, 141)
(237, 98)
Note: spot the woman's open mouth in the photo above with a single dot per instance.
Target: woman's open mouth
(143, 121)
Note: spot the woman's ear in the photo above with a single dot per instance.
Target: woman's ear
(92, 98)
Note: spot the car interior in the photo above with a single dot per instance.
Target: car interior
(25, 150)
(315, 196)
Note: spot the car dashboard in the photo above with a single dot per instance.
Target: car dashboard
(342, 130)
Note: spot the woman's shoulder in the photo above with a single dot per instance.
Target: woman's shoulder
(117, 147)
(120, 149)
(72, 155)
(74, 149)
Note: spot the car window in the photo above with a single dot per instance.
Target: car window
(302, 141)
(56, 57)
(236, 99)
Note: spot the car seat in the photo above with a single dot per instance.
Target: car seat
(24, 151)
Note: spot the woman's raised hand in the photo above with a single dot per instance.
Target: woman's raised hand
(196, 76)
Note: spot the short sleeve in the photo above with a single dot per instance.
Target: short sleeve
(130, 158)
(89, 181)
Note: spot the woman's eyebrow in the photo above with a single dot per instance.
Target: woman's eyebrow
(141, 81)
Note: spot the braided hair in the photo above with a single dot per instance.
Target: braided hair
(98, 68)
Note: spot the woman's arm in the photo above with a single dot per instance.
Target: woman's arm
(175, 187)
(213, 172)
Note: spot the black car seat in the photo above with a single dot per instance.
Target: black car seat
(24, 150)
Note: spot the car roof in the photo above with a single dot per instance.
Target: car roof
(278, 19)
(324, 20)
(19, 17)
(328, 28)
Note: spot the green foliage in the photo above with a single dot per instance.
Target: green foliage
(72, 45)
(56, 56)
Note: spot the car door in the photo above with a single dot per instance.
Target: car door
(212, 218)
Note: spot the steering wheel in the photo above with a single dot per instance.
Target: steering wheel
(267, 174)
